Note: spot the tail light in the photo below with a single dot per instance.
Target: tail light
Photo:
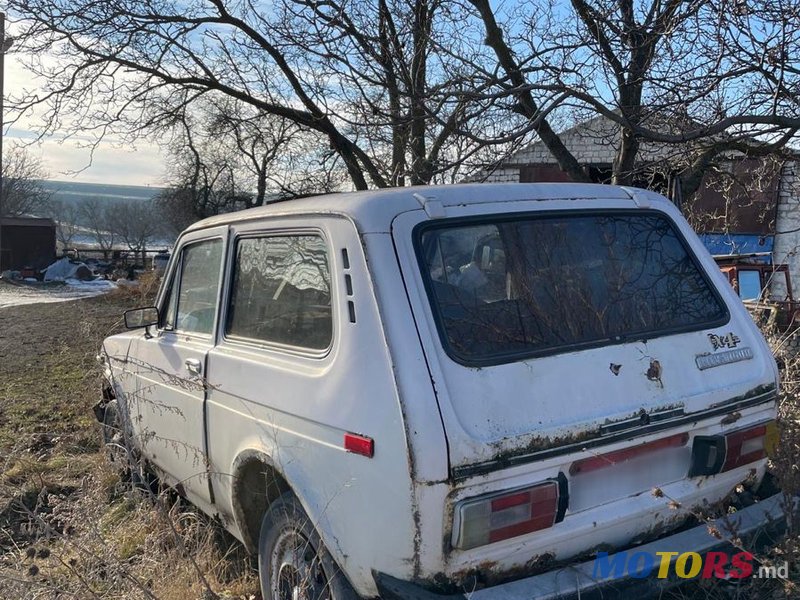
(510, 514)
(712, 454)
(747, 446)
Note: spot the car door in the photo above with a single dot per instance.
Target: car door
(171, 373)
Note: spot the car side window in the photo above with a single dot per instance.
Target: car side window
(197, 293)
(168, 307)
(281, 291)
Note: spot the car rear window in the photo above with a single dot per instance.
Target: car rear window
(504, 288)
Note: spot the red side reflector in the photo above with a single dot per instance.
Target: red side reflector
(619, 456)
(359, 444)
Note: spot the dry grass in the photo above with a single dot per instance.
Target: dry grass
(69, 527)
(786, 464)
(142, 293)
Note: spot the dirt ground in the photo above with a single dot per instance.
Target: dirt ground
(69, 528)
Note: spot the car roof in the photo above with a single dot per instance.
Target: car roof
(374, 210)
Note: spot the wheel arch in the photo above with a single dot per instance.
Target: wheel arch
(257, 483)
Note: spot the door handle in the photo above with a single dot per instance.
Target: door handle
(194, 366)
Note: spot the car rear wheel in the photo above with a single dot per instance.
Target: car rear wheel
(293, 564)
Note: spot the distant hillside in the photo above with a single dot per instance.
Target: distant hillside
(67, 198)
(67, 194)
(72, 192)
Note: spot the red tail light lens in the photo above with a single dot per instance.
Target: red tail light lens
(510, 514)
(746, 446)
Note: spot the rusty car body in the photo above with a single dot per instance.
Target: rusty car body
(449, 390)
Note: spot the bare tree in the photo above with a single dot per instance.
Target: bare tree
(258, 141)
(383, 84)
(135, 223)
(67, 218)
(98, 218)
(226, 157)
(204, 178)
(409, 77)
(177, 207)
(22, 184)
(419, 91)
(705, 79)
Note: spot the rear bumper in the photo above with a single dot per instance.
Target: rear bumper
(757, 526)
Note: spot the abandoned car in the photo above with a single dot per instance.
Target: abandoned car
(765, 289)
(471, 389)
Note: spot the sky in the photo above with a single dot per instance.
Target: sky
(65, 160)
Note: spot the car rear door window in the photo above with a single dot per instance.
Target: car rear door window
(281, 291)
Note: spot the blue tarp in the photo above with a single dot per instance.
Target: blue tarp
(736, 243)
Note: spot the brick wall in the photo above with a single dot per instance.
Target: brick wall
(504, 175)
(591, 142)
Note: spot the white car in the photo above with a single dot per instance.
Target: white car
(471, 389)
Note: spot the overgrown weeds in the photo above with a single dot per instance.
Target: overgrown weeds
(69, 526)
(785, 466)
(141, 292)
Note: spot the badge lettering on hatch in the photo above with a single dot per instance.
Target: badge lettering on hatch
(730, 340)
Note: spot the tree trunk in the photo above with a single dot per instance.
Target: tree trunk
(387, 34)
(527, 106)
(420, 171)
(261, 185)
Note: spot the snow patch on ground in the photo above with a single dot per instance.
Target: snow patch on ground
(72, 289)
(97, 284)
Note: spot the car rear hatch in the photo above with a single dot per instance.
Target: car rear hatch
(562, 333)
(558, 327)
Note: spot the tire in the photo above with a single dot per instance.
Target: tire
(293, 564)
(119, 451)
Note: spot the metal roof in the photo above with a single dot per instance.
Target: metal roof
(26, 222)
